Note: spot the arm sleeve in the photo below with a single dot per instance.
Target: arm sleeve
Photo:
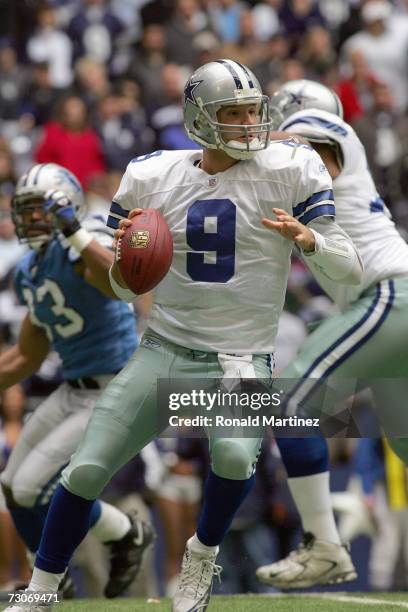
(313, 196)
(335, 255)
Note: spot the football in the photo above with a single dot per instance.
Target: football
(145, 252)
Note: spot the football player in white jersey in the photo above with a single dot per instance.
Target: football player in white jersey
(235, 210)
(367, 340)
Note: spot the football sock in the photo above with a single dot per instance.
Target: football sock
(222, 498)
(307, 462)
(44, 581)
(66, 526)
(95, 513)
(29, 523)
(304, 456)
(112, 524)
(198, 547)
(312, 498)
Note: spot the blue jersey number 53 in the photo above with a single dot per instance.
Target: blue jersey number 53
(216, 235)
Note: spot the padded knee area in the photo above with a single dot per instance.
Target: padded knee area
(231, 459)
(87, 481)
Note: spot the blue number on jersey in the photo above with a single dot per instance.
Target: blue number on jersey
(221, 241)
(142, 158)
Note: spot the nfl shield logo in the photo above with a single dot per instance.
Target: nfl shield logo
(212, 181)
(139, 239)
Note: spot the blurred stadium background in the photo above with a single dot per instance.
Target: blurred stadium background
(91, 84)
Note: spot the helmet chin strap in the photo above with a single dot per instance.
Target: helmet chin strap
(238, 150)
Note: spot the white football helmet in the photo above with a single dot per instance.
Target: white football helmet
(225, 83)
(29, 195)
(300, 94)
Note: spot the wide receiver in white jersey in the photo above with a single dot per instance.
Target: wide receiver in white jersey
(212, 314)
(367, 340)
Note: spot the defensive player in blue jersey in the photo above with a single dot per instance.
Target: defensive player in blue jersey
(205, 322)
(63, 280)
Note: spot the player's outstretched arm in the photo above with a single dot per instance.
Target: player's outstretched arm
(324, 246)
(291, 229)
(95, 258)
(335, 254)
(25, 358)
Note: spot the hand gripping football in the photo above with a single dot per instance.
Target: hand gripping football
(145, 252)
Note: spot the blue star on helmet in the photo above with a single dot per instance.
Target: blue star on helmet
(299, 97)
(189, 92)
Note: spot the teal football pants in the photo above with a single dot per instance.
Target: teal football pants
(125, 418)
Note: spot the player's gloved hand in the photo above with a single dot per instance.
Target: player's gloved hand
(59, 205)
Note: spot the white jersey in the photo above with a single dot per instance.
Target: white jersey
(226, 286)
(360, 211)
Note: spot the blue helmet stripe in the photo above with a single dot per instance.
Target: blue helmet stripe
(250, 82)
(317, 122)
(37, 172)
(234, 74)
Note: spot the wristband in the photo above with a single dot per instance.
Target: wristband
(71, 229)
(124, 294)
(80, 240)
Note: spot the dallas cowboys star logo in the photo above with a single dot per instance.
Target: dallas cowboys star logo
(299, 97)
(189, 92)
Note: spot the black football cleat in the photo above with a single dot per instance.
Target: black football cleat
(126, 556)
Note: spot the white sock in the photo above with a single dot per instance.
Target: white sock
(112, 525)
(198, 547)
(312, 498)
(44, 581)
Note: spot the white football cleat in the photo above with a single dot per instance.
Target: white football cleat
(315, 562)
(195, 581)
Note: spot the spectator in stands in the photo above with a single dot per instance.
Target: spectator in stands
(316, 53)
(167, 120)
(253, 49)
(94, 31)
(355, 88)
(384, 47)
(91, 81)
(269, 70)
(266, 20)
(122, 126)
(147, 61)
(40, 96)
(296, 17)
(51, 45)
(12, 80)
(225, 19)
(186, 22)
(71, 142)
(384, 134)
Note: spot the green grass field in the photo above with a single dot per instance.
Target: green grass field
(322, 602)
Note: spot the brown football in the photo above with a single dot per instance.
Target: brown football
(145, 252)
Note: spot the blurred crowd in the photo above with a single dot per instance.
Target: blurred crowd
(91, 84)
